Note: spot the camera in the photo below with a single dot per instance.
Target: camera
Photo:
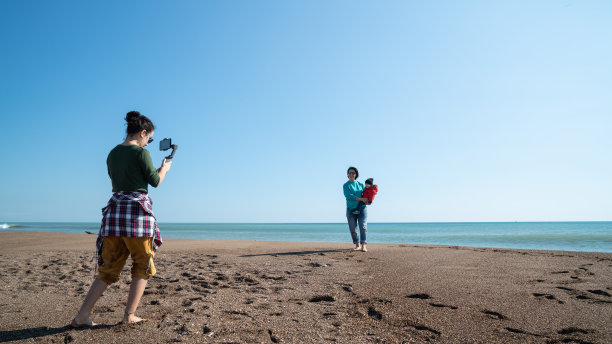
(166, 144)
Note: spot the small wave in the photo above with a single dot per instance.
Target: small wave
(8, 226)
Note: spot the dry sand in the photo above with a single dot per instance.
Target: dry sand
(289, 292)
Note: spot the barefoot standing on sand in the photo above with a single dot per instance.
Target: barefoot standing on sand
(128, 224)
(353, 191)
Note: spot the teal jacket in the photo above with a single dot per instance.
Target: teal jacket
(352, 190)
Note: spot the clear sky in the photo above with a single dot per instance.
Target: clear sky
(459, 110)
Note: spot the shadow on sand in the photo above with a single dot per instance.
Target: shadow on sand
(37, 332)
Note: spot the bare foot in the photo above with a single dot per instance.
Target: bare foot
(363, 248)
(131, 319)
(82, 322)
(356, 248)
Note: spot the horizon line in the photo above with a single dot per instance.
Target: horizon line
(380, 222)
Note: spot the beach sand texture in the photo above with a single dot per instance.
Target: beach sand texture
(292, 292)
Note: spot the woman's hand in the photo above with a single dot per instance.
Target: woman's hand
(166, 164)
(165, 167)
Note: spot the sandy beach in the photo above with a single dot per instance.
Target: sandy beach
(292, 292)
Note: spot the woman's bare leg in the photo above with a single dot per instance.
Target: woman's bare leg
(137, 288)
(95, 291)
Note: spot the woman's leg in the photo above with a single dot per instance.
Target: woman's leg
(352, 222)
(113, 256)
(95, 291)
(142, 269)
(363, 227)
(137, 288)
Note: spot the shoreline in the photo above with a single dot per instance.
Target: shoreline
(238, 291)
(180, 243)
(318, 223)
(557, 236)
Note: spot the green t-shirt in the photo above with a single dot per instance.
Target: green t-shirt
(131, 169)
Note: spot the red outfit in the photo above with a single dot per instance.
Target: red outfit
(370, 193)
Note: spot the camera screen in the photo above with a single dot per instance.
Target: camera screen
(165, 144)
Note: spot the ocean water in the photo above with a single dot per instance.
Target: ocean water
(564, 236)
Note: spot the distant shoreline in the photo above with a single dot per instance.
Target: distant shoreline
(560, 236)
(82, 241)
(19, 223)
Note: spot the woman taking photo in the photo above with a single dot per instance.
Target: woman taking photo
(129, 227)
(353, 191)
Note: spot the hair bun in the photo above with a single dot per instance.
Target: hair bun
(132, 116)
(137, 123)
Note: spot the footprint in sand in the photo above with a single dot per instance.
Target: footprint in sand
(348, 288)
(222, 277)
(581, 295)
(439, 305)
(383, 301)
(584, 297)
(320, 298)
(374, 313)
(566, 288)
(600, 292)
(207, 330)
(572, 330)
(273, 338)
(419, 296)
(516, 330)
(425, 328)
(494, 315)
(275, 278)
(547, 296)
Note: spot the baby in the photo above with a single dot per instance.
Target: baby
(370, 192)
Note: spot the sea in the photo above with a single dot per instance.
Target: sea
(562, 236)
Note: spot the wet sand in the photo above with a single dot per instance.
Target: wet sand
(290, 292)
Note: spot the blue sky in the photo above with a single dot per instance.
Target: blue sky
(460, 110)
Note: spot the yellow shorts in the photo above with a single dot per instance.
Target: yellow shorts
(115, 252)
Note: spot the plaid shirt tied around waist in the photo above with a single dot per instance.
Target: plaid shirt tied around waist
(129, 215)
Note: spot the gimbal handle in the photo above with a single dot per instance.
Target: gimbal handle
(174, 148)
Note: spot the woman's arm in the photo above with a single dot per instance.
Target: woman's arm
(151, 174)
(350, 195)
